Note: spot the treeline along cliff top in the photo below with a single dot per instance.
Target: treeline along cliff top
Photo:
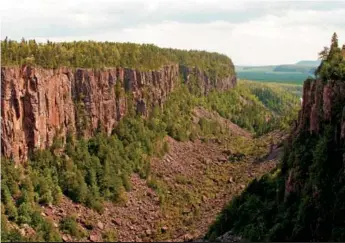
(91, 54)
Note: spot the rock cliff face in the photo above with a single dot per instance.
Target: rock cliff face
(308, 186)
(38, 104)
(322, 103)
(206, 84)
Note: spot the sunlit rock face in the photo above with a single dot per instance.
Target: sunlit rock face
(38, 104)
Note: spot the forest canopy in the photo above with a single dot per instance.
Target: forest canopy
(92, 54)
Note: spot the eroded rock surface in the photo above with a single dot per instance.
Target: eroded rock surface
(39, 104)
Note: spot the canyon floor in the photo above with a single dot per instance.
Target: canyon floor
(186, 190)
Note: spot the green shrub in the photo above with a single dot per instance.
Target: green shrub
(36, 219)
(126, 182)
(12, 235)
(153, 183)
(109, 235)
(47, 232)
(57, 194)
(11, 211)
(24, 213)
(70, 226)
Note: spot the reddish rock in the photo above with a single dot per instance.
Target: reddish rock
(117, 221)
(327, 102)
(100, 225)
(222, 159)
(22, 232)
(37, 104)
(65, 238)
(314, 121)
(94, 237)
(206, 83)
(164, 229)
(186, 210)
(318, 101)
(187, 237)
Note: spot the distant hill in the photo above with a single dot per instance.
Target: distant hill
(287, 73)
(295, 68)
(309, 63)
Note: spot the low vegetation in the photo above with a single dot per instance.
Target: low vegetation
(70, 226)
(97, 170)
(257, 107)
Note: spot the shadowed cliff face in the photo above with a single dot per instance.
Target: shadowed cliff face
(205, 83)
(38, 104)
(323, 105)
(303, 198)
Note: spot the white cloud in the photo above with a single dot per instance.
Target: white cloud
(250, 32)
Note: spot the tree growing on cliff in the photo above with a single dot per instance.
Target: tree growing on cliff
(324, 53)
(332, 66)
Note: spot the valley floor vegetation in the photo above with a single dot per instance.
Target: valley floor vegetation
(97, 170)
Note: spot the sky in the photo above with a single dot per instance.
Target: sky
(249, 32)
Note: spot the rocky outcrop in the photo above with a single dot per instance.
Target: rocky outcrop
(321, 104)
(207, 83)
(39, 104)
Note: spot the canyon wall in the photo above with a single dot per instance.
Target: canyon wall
(322, 103)
(38, 104)
(205, 83)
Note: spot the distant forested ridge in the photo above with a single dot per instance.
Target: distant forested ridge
(285, 73)
(92, 54)
(309, 63)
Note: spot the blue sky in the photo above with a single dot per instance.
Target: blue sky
(250, 32)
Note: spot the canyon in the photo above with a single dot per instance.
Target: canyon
(171, 148)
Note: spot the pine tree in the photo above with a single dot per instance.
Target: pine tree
(333, 62)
